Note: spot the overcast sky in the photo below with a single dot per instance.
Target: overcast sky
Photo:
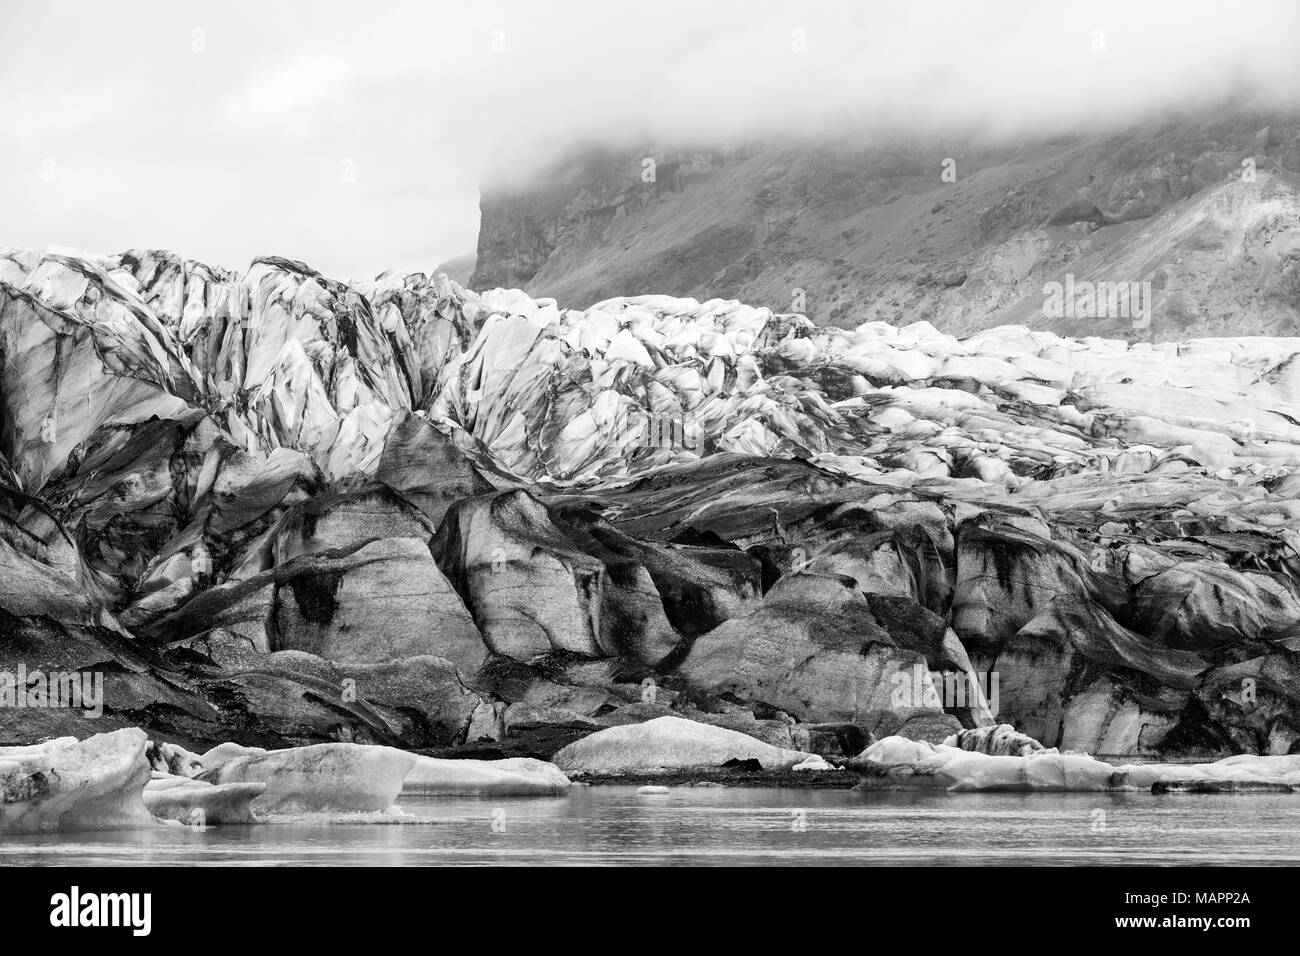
(354, 135)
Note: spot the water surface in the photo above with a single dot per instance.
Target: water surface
(706, 825)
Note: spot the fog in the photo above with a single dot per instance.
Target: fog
(354, 136)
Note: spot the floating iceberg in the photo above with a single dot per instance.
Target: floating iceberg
(999, 740)
(1242, 773)
(67, 784)
(199, 803)
(896, 763)
(320, 778)
(670, 743)
(516, 776)
(174, 760)
(815, 762)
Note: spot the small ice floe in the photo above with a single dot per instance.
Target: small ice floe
(67, 784)
(322, 778)
(651, 791)
(816, 762)
(511, 777)
(199, 803)
(896, 763)
(669, 743)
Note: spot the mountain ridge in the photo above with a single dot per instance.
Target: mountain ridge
(874, 231)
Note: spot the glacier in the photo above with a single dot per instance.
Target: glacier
(396, 512)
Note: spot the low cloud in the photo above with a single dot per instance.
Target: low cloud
(355, 136)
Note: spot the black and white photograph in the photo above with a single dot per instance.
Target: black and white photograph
(601, 433)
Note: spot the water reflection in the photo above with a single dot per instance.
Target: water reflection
(616, 825)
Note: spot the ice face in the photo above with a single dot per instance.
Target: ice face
(65, 784)
(319, 778)
(250, 461)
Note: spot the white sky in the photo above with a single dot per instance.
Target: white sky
(120, 126)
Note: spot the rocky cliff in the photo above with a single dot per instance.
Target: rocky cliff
(963, 235)
(274, 507)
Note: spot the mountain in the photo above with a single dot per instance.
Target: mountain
(963, 235)
(458, 269)
(273, 507)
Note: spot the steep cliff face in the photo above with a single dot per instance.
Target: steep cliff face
(571, 207)
(961, 235)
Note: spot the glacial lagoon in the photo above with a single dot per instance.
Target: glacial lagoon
(616, 825)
